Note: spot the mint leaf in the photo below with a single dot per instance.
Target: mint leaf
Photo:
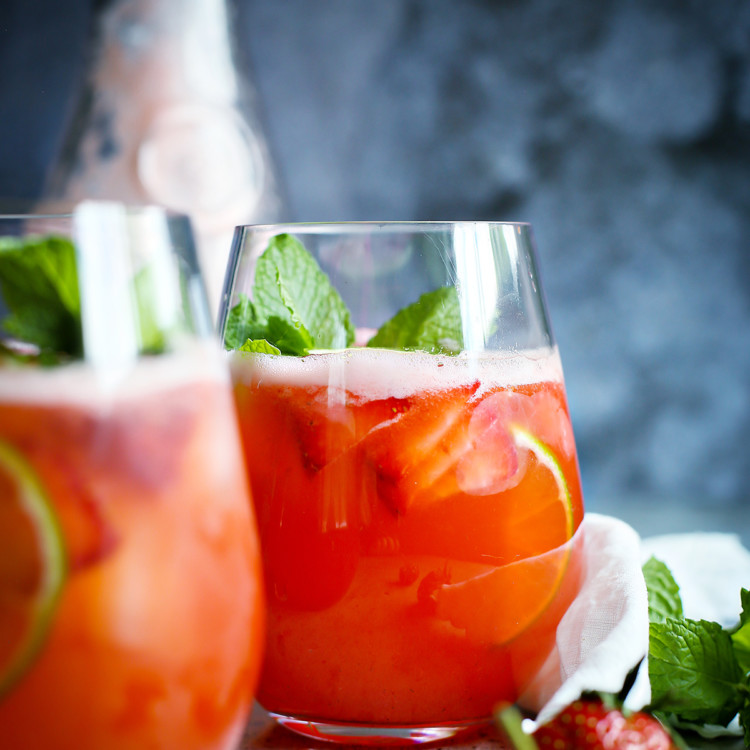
(13, 356)
(241, 324)
(431, 324)
(664, 600)
(693, 671)
(744, 715)
(289, 337)
(39, 285)
(741, 636)
(151, 337)
(244, 324)
(290, 285)
(259, 346)
(745, 604)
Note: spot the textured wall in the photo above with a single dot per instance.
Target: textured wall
(619, 128)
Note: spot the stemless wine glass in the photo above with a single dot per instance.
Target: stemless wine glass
(413, 469)
(130, 585)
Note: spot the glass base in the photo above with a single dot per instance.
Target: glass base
(373, 734)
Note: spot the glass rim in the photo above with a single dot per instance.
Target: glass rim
(20, 216)
(321, 227)
(130, 208)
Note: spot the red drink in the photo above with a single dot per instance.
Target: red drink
(152, 637)
(417, 516)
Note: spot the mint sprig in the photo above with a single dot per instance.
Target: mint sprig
(741, 634)
(39, 285)
(693, 670)
(699, 671)
(259, 347)
(247, 330)
(294, 306)
(432, 324)
(664, 600)
(293, 309)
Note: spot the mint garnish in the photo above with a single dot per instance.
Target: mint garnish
(260, 346)
(745, 722)
(39, 285)
(663, 592)
(693, 670)
(294, 306)
(152, 338)
(741, 634)
(431, 324)
(246, 326)
(699, 671)
(290, 285)
(295, 309)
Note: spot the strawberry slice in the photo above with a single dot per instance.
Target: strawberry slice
(89, 535)
(143, 442)
(494, 464)
(66, 466)
(548, 419)
(412, 454)
(329, 421)
(323, 424)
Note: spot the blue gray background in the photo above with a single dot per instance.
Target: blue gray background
(619, 128)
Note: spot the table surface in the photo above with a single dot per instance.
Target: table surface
(264, 732)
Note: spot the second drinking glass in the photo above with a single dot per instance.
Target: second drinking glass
(131, 612)
(413, 468)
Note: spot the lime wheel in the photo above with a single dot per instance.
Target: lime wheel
(32, 565)
(500, 604)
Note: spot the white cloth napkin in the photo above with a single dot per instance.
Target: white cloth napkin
(604, 634)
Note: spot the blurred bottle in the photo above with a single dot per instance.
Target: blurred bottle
(169, 117)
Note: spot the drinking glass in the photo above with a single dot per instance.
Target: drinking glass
(130, 586)
(413, 468)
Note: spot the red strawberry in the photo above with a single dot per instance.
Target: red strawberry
(143, 441)
(591, 723)
(415, 450)
(493, 464)
(89, 535)
(549, 420)
(449, 442)
(329, 421)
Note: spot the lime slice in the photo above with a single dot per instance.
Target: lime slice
(502, 602)
(544, 455)
(32, 565)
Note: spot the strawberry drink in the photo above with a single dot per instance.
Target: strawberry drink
(131, 611)
(137, 539)
(417, 506)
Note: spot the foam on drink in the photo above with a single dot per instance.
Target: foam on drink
(81, 384)
(382, 373)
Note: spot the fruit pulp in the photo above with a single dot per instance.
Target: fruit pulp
(417, 517)
(155, 638)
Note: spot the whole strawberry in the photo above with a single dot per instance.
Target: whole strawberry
(592, 723)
